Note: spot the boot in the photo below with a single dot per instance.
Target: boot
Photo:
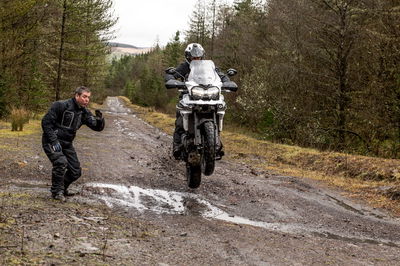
(219, 154)
(58, 196)
(68, 193)
(177, 151)
(66, 185)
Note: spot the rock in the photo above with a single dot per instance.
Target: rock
(95, 219)
(87, 247)
(76, 219)
(254, 172)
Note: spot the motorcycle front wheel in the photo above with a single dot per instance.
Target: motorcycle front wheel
(193, 175)
(208, 159)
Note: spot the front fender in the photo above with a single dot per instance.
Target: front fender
(202, 118)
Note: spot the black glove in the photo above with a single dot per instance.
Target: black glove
(56, 146)
(98, 114)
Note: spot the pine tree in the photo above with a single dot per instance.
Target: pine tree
(198, 31)
(84, 30)
(173, 52)
(20, 57)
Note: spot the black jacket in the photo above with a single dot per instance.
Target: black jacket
(183, 70)
(64, 118)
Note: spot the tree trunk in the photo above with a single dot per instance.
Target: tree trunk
(57, 85)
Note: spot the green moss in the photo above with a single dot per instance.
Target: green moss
(24, 259)
(6, 223)
(14, 195)
(8, 147)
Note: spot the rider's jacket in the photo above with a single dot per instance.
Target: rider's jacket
(64, 118)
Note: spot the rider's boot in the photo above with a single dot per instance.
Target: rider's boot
(220, 152)
(58, 196)
(177, 150)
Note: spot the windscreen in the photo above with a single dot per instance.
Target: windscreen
(203, 72)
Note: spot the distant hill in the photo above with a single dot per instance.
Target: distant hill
(123, 45)
(121, 49)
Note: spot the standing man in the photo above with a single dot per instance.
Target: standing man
(59, 126)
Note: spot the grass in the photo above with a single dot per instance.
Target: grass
(32, 127)
(19, 117)
(360, 176)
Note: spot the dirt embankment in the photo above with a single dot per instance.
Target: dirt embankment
(134, 208)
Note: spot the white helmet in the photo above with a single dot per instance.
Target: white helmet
(194, 50)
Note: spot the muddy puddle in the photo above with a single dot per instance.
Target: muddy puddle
(185, 203)
(122, 126)
(116, 106)
(165, 202)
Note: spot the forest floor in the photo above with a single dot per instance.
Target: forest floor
(265, 204)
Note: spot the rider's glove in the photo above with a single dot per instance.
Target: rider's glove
(98, 114)
(56, 146)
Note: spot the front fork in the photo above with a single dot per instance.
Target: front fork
(192, 138)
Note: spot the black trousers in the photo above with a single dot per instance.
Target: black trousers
(179, 130)
(66, 166)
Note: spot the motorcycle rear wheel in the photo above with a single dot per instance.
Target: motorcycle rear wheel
(193, 175)
(208, 159)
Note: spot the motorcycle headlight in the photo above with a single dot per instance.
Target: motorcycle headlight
(199, 93)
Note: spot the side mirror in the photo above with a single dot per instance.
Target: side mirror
(170, 70)
(175, 84)
(230, 86)
(231, 72)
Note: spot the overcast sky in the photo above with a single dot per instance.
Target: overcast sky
(142, 22)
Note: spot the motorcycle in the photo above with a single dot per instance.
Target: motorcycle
(202, 108)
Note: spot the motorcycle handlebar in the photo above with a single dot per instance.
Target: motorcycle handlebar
(175, 84)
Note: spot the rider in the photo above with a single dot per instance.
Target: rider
(193, 51)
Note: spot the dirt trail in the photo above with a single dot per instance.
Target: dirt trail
(134, 198)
